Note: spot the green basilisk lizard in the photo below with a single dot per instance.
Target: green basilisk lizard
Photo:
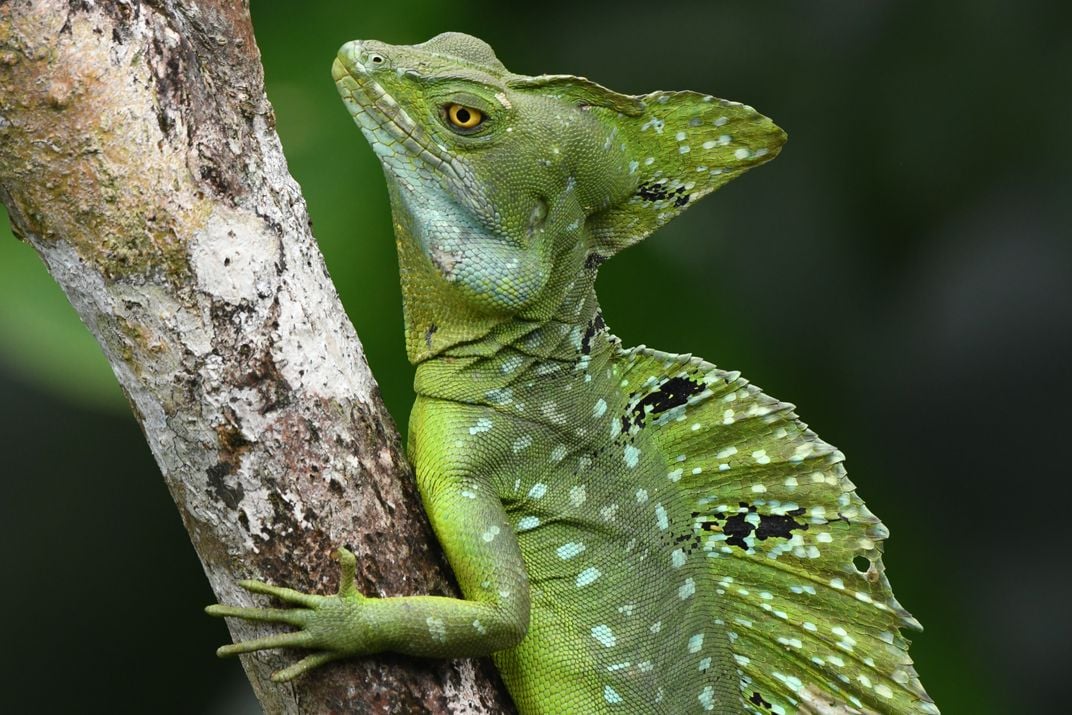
(632, 530)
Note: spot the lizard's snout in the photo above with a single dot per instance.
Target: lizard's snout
(361, 56)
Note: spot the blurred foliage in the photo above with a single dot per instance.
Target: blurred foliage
(903, 258)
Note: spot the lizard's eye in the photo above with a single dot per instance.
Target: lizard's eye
(462, 117)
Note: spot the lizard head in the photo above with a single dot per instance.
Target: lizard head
(508, 190)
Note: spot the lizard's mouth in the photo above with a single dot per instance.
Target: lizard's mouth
(393, 134)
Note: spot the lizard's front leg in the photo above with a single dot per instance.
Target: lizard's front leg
(470, 522)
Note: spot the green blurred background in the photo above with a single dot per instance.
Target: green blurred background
(903, 273)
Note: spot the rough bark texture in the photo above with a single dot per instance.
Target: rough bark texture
(138, 157)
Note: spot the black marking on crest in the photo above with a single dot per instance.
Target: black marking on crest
(432, 328)
(778, 525)
(654, 191)
(737, 528)
(594, 260)
(757, 699)
(674, 392)
(596, 325)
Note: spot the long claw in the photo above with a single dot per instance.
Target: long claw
(286, 594)
(299, 639)
(303, 666)
(272, 615)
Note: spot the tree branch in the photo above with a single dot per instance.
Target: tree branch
(138, 157)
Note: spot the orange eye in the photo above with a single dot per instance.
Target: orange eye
(464, 117)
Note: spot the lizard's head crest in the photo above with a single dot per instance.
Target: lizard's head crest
(512, 186)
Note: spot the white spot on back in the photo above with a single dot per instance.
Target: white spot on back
(660, 517)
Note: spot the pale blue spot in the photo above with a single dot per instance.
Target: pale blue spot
(528, 522)
(588, 576)
(604, 635)
(707, 698)
(696, 643)
(568, 550)
(482, 425)
(600, 408)
(687, 589)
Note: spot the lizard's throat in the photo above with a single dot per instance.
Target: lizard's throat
(441, 322)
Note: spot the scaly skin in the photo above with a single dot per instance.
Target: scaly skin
(633, 531)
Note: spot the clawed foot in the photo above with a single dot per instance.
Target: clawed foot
(330, 625)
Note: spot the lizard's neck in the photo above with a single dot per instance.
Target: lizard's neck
(470, 357)
(441, 324)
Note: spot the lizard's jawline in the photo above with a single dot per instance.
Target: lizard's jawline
(378, 114)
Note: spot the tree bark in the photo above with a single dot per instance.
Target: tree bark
(138, 157)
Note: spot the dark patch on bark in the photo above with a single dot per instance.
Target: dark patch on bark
(229, 495)
(167, 68)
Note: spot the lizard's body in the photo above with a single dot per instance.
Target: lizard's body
(633, 531)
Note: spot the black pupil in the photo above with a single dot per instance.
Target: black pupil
(463, 116)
